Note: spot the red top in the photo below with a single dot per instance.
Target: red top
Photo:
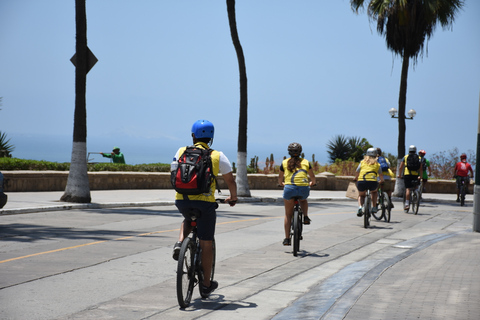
(462, 168)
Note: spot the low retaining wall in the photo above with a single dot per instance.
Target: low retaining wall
(27, 181)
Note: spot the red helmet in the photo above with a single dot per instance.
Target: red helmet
(463, 156)
(422, 152)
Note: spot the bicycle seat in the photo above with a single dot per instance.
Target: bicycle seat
(193, 213)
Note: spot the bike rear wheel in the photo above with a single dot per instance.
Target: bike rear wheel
(415, 201)
(462, 195)
(185, 273)
(296, 231)
(366, 212)
(388, 207)
(381, 202)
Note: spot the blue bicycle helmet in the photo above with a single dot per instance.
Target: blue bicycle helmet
(203, 129)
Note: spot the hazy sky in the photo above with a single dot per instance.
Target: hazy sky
(315, 70)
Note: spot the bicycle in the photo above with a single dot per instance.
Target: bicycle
(385, 205)
(367, 209)
(296, 226)
(415, 196)
(463, 191)
(189, 267)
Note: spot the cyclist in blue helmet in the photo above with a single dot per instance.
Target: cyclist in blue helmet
(202, 135)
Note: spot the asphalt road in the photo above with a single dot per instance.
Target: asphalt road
(116, 263)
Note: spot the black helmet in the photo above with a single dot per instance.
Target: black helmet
(294, 149)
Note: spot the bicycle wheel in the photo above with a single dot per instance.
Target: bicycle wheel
(381, 201)
(388, 207)
(185, 273)
(366, 212)
(415, 203)
(462, 195)
(200, 269)
(296, 232)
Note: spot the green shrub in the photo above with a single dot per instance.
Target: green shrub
(22, 164)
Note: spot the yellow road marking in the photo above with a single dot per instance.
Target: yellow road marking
(142, 235)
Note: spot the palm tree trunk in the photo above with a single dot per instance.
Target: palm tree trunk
(242, 179)
(78, 189)
(402, 102)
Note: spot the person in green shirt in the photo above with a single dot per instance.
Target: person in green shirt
(116, 155)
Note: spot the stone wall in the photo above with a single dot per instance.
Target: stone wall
(28, 181)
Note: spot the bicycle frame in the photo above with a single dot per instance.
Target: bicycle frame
(296, 226)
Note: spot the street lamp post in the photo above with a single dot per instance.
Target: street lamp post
(411, 113)
(399, 184)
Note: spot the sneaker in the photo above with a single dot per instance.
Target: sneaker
(176, 250)
(458, 199)
(360, 212)
(407, 208)
(306, 220)
(205, 291)
(287, 242)
(374, 210)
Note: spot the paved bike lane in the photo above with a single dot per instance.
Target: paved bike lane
(432, 276)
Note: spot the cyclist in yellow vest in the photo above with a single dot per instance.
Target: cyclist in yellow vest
(202, 134)
(410, 178)
(366, 176)
(294, 174)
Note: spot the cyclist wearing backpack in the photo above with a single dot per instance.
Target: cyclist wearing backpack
(294, 175)
(387, 185)
(461, 172)
(366, 176)
(411, 169)
(202, 134)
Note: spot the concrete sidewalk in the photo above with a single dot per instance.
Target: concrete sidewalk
(29, 202)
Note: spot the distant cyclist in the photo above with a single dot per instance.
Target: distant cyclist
(366, 176)
(425, 166)
(461, 173)
(411, 168)
(388, 174)
(294, 175)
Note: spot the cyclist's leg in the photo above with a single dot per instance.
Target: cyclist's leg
(289, 204)
(303, 193)
(207, 260)
(459, 182)
(206, 232)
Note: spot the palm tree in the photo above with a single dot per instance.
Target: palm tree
(78, 189)
(242, 179)
(406, 24)
(6, 148)
(338, 148)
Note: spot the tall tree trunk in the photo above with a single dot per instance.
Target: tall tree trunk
(402, 102)
(78, 189)
(242, 179)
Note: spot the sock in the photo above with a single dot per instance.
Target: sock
(407, 202)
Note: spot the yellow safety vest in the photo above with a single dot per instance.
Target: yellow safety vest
(368, 172)
(299, 177)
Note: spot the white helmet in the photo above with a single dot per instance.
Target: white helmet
(412, 149)
(372, 152)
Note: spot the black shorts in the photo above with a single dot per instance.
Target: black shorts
(410, 181)
(206, 220)
(364, 185)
